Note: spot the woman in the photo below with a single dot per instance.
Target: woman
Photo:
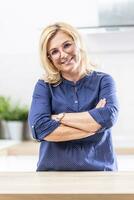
(73, 107)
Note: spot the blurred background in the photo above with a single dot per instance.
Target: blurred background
(108, 30)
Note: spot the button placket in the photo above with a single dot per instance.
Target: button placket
(75, 98)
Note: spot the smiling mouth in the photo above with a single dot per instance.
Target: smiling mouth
(68, 61)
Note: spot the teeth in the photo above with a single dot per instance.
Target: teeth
(67, 62)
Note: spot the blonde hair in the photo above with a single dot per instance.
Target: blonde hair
(52, 75)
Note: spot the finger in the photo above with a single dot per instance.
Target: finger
(101, 103)
(104, 102)
(53, 117)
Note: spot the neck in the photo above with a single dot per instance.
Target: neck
(74, 76)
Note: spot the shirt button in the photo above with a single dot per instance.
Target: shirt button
(75, 101)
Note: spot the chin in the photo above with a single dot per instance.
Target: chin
(70, 68)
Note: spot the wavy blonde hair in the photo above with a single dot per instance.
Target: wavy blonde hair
(52, 75)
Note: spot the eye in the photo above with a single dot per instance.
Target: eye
(54, 52)
(67, 45)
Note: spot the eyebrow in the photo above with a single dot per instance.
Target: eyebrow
(61, 44)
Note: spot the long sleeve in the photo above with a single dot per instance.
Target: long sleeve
(106, 116)
(39, 116)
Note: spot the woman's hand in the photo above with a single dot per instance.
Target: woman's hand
(54, 117)
(101, 103)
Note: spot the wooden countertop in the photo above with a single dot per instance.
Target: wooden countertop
(67, 185)
(21, 148)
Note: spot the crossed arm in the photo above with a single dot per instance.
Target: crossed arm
(75, 126)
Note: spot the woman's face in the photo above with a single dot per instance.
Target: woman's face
(63, 53)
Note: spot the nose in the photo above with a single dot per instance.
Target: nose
(63, 54)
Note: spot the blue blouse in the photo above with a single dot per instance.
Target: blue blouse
(94, 153)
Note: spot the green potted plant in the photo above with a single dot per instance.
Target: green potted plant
(4, 106)
(15, 116)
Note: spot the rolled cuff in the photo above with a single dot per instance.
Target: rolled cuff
(106, 117)
(39, 131)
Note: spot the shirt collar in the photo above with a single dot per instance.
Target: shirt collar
(77, 82)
